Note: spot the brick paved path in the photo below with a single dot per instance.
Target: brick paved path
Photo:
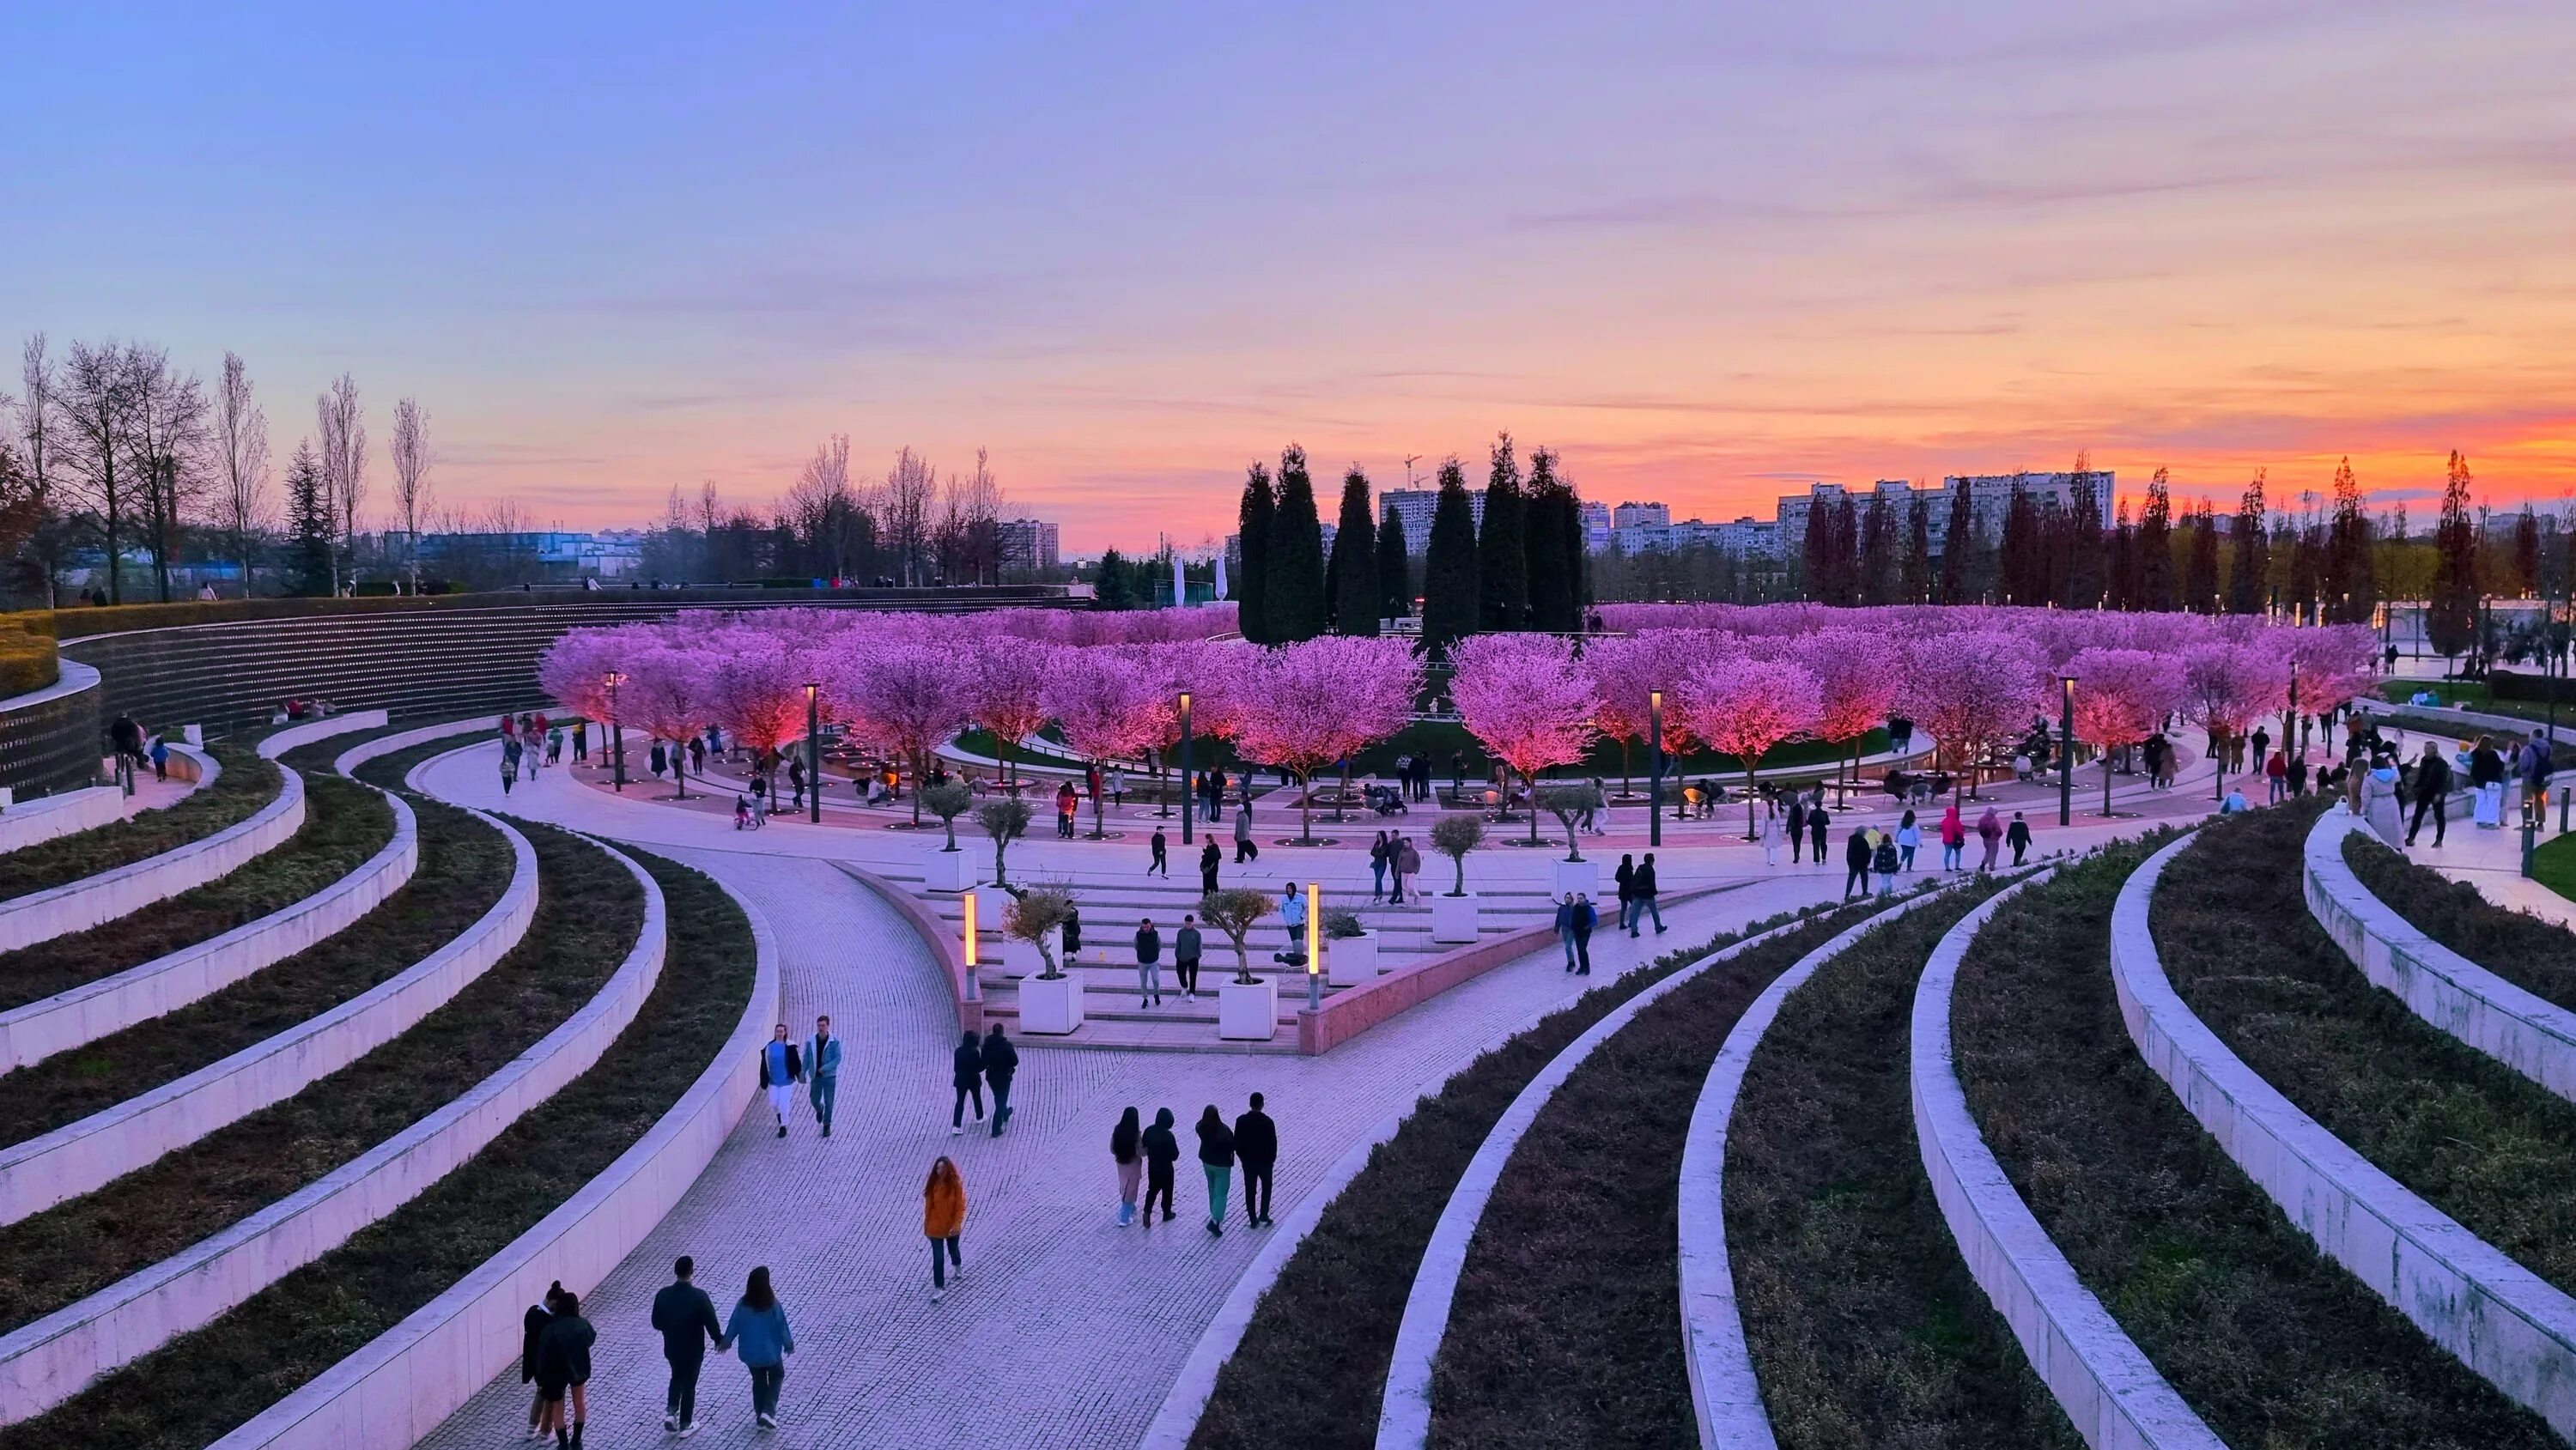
(1067, 1330)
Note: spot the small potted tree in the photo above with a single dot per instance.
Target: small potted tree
(948, 869)
(1004, 821)
(1050, 999)
(1247, 1008)
(1568, 803)
(1453, 916)
(1350, 949)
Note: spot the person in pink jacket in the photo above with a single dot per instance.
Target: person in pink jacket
(1990, 831)
(1953, 836)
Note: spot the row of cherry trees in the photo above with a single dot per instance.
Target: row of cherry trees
(1741, 681)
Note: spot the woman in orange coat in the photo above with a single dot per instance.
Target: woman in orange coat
(943, 1217)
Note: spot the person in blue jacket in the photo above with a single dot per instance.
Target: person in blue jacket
(757, 1332)
(823, 1071)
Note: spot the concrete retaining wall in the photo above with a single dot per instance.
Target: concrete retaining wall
(397, 1389)
(2100, 1377)
(44, 1363)
(80, 1157)
(39, 1029)
(1404, 1413)
(30, 823)
(1726, 1396)
(2498, 1317)
(295, 737)
(80, 905)
(2517, 1028)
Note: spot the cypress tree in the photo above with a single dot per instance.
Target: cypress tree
(1878, 579)
(2352, 589)
(2083, 541)
(2155, 545)
(1260, 507)
(2249, 583)
(2451, 618)
(1554, 548)
(1959, 547)
(1297, 603)
(1502, 550)
(1356, 596)
(309, 522)
(1846, 571)
(1394, 570)
(2200, 562)
(1450, 603)
(1918, 550)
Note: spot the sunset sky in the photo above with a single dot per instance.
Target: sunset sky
(1704, 250)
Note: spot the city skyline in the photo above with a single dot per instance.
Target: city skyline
(1706, 254)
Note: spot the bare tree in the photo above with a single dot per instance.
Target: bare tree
(412, 460)
(170, 446)
(909, 488)
(241, 458)
(344, 462)
(40, 427)
(102, 407)
(822, 510)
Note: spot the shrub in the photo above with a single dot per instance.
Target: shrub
(1035, 913)
(1233, 911)
(1005, 821)
(947, 801)
(1454, 837)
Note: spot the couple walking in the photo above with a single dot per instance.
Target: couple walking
(1149, 961)
(1150, 1153)
(756, 1331)
(817, 1064)
(980, 1062)
(1392, 853)
(1637, 888)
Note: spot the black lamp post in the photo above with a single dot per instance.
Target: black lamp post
(616, 735)
(1655, 768)
(1189, 807)
(814, 751)
(2066, 751)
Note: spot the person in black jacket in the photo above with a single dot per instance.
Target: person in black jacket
(563, 1367)
(1626, 879)
(1856, 862)
(1001, 1063)
(1162, 1150)
(2017, 836)
(968, 1078)
(1817, 819)
(2432, 784)
(1216, 1157)
(782, 1067)
(686, 1318)
(532, 1327)
(1256, 1142)
(1210, 858)
(1643, 887)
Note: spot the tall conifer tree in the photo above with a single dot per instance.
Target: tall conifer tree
(2155, 545)
(2451, 618)
(1394, 570)
(1918, 550)
(1354, 566)
(2083, 541)
(1959, 548)
(1297, 604)
(1253, 519)
(1450, 598)
(2249, 581)
(1554, 546)
(1502, 547)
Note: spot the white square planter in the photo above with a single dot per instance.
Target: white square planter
(992, 907)
(1583, 876)
(1453, 918)
(951, 871)
(1350, 960)
(1051, 1008)
(1020, 958)
(1247, 1013)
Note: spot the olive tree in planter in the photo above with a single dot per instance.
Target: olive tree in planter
(1050, 1001)
(1568, 803)
(950, 869)
(1350, 949)
(1453, 916)
(1004, 821)
(1247, 1008)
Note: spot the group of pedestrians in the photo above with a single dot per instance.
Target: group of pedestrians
(990, 1061)
(1149, 1154)
(1186, 948)
(528, 742)
(1392, 854)
(1637, 891)
(1575, 920)
(816, 1063)
(556, 1342)
(1413, 775)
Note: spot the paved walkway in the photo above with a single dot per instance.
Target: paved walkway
(1067, 1330)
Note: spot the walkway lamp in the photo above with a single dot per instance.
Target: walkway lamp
(1189, 807)
(814, 750)
(616, 734)
(969, 900)
(1314, 947)
(1655, 768)
(2066, 750)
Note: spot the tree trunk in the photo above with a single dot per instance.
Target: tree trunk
(1752, 831)
(1530, 783)
(1306, 809)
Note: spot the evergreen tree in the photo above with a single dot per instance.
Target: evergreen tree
(1959, 547)
(2351, 590)
(1259, 508)
(2451, 617)
(2526, 553)
(1918, 550)
(2155, 545)
(1816, 552)
(1394, 570)
(1450, 599)
(311, 522)
(2127, 586)
(1354, 566)
(1555, 548)
(1878, 581)
(2019, 568)
(2249, 586)
(2082, 544)
(1843, 583)
(1502, 546)
(1297, 603)
(2200, 562)
(1113, 585)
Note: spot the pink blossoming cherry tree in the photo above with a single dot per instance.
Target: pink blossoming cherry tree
(1302, 707)
(904, 699)
(1111, 705)
(2227, 687)
(1971, 690)
(1743, 705)
(1003, 677)
(1527, 701)
(2121, 697)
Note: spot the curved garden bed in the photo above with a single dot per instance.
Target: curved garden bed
(2268, 1341)
(2536, 955)
(193, 1390)
(245, 783)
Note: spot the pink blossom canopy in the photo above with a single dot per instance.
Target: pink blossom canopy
(1524, 698)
